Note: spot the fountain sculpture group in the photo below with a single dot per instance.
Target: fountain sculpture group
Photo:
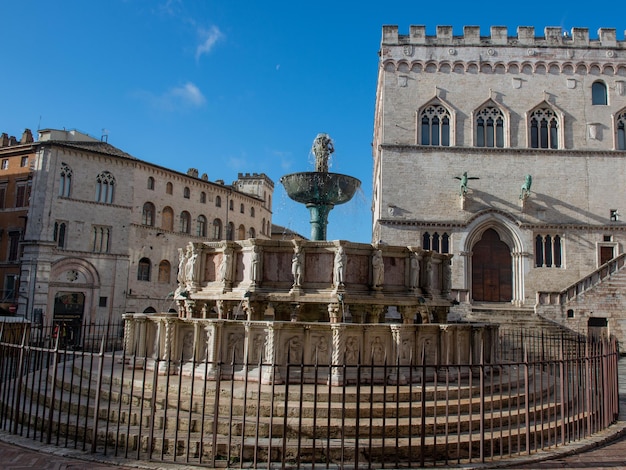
(242, 304)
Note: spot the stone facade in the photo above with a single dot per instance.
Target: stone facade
(104, 228)
(506, 151)
(16, 158)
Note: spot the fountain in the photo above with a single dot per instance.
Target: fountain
(320, 190)
(280, 301)
(278, 312)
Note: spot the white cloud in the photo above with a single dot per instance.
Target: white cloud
(208, 39)
(189, 94)
(177, 98)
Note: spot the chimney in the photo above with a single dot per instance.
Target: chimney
(12, 140)
(4, 140)
(27, 137)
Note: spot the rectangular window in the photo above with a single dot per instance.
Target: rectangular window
(103, 301)
(60, 229)
(22, 195)
(5, 163)
(24, 162)
(3, 194)
(10, 284)
(14, 243)
(548, 251)
(101, 238)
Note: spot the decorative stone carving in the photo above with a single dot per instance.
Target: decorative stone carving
(340, 266)
(414, 272)
(378, 269)
(297, 266)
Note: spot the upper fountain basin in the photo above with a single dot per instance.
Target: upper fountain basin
(313, 187)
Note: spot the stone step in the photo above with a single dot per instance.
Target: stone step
(322, 449)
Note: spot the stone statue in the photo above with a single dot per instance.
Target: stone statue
(352, 350)
(182, 262)
(254, 265)
(464, 179)
(225, 266)
(296, 266)
(294, 350)
(340, 266)
(378, 351)
(190, 267)
(322, 148)
(414, 275)
(378, 267)
(188, 346)
(528, 181)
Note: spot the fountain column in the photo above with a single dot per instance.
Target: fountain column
(319, 219)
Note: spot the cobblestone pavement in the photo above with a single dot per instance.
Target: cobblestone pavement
(612, 455)
(14, 457)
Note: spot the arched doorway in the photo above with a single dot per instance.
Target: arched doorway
(492, 273)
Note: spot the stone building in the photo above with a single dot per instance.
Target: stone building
(508, 152)
(105, 229)
(16, 158)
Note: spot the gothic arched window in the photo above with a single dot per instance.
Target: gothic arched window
(490, 127)
(105, 185)
(435, 125)
(544, 129)
(65, 181)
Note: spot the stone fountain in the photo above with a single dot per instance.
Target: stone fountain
(251, 302)
(320, 190)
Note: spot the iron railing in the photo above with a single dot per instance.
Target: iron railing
(542, 392)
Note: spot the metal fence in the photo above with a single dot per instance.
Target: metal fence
(543, 392)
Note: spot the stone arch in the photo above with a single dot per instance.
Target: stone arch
(508, 232)
(430, 66)
(81, 266)
(403, 66)
(389, 66)
(458, 67)
(554, 68)
(445, 67)
(513, 67)
(499, 68)
(595, 69)
(608, 69)
(74, 275)
(582, 68)
(472, 67)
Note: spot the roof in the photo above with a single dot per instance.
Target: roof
(97, 147)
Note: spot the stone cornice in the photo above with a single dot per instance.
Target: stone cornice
(522, 151)
(449, 224)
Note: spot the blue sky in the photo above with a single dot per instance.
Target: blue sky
(231, 86)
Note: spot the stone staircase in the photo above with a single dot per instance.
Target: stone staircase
(456, 418)
(516, 318)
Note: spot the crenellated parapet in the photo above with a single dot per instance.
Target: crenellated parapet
(557, 52)
(554, 36)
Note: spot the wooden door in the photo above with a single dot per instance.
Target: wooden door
(606, 254)
(492, 275)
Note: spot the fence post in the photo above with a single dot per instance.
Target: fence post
(96, 410)
(481, 370)
(55, 364)
(18, 383)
